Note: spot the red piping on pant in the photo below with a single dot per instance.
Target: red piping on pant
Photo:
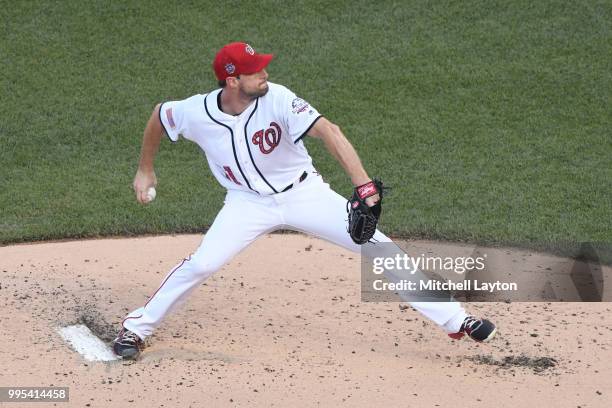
(158, 289)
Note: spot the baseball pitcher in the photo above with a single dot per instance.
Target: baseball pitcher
(251, 132)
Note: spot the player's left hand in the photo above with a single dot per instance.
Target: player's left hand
(364, 210)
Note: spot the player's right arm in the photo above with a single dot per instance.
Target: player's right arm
(145, 175)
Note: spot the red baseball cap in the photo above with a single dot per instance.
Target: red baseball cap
(239, 58)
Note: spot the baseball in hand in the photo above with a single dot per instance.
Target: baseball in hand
(151, 193)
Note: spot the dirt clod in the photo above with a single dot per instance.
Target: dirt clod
(537, 364)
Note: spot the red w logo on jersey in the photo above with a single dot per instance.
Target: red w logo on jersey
(267, 140)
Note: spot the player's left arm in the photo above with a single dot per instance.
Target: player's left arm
(343, 151)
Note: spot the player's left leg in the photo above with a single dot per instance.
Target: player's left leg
(316, 209)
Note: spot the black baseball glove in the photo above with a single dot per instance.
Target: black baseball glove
(362, 220)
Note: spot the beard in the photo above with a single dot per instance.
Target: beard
(252, 94)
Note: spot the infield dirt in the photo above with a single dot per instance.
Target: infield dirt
(282, 325)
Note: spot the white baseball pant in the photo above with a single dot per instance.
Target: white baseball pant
(310, 206)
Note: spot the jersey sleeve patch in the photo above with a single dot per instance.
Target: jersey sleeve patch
(170, 115)
(298, 105)
(170, 119)
(299, 115)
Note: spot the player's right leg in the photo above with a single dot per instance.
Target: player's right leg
(242, 219)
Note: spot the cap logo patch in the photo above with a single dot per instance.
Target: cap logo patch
(230, 68)
(249, 50)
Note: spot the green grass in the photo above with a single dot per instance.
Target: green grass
(491, 120)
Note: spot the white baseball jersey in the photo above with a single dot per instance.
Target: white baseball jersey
(260, 150)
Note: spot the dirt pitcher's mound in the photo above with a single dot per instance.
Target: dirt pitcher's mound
(283, 326)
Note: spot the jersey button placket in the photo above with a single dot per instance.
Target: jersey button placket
(238, 142)
(245, 158)
(242, 154)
